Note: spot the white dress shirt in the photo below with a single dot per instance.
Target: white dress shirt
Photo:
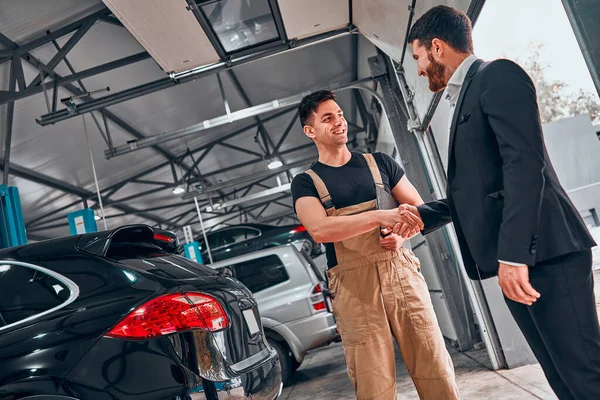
(453, 92)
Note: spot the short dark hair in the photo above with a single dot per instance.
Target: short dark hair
(445, 23)
(311, 102)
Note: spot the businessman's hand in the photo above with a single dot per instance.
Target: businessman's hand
(392, 242)
(401, 221)
(514, 281)
(413, 223)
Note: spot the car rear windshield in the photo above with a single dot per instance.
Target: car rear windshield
(313, 266)
(152, 259)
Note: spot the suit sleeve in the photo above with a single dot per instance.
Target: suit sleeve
(508, 100)
(435, 214)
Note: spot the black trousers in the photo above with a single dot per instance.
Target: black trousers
(562, 326)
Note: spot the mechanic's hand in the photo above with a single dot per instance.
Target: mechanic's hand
(411, 224)
(514, 281)
(390, 218)
(392, 242)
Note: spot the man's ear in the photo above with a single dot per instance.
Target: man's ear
(438, 47)
(309, 131)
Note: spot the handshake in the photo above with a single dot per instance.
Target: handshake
(404, 221)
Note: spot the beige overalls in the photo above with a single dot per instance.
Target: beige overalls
(377, 294)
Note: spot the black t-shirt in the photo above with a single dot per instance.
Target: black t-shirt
(350, 184)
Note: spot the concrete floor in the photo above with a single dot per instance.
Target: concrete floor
(322, 375)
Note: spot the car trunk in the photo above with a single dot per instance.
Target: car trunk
(243, 338)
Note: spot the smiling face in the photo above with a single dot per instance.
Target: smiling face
(429, 66)
(327, 125)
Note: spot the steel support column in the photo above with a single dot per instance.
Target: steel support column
(10, 113)
(584, 16)
(409, 154)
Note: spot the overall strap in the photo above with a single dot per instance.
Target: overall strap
(374, 169)
(322, 191)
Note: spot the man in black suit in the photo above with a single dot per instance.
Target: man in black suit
(512, 217)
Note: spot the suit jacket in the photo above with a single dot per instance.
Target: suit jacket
(503, 194)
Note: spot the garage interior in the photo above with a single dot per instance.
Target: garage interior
(158, 112)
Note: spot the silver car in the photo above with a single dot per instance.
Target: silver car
(293, 301)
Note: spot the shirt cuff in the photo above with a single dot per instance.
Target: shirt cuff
(514, 264)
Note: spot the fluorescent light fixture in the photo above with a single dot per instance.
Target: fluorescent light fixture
(214, 207)
(178, 190)
(274, 163)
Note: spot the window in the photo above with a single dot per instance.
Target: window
(27, 292)
(241, 23)
(313, 266)
(590, 217)
(214, 240)
(261, 273)
(236, 235)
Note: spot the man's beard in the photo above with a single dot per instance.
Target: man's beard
(436, 75)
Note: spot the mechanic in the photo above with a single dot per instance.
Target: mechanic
(378, 291)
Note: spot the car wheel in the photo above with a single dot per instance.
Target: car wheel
(295, 364)
(285, 360)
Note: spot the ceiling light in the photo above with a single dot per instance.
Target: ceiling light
(97, 218)
(214, 207)
(274, 163)
(178, 190)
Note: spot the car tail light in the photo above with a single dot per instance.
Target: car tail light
(298, 229)
(163, 238)
(317, 298)
(172, 313)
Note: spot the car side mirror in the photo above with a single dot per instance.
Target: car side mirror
(225, 271)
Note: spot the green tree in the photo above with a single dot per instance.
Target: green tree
(554, 99)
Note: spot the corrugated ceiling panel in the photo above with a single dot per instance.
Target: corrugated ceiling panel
(167, 30)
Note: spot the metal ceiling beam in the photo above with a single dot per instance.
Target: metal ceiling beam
(205, 147)
(231, 216)
(17, 66)
(242, 150)
(248, 178)
(73, 89)
(219, 121)
(48, 181)
(57, 34)
(191, 75)
(109, 114)
(76, 91)
(244, 96)
(287, 132)
(254, 196)
(62, 53)
(24, 93)
(111, 20)
(42, 219)
(274, 216)
(196, 164)
(111, 190)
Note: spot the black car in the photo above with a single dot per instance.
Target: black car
(116, 315)
(241, 239)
